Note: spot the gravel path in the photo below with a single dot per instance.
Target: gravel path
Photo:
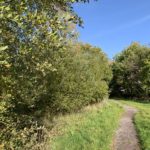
(126, 137)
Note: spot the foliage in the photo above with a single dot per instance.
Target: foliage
(131, 70)
(40, 71)
(142, 121)
(33, 137)
(85, 75)
(31, 31)
(93, 128)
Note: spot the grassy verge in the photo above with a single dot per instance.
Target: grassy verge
(92, 129)
(142, 122)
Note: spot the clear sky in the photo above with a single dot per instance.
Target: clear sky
(113, 24)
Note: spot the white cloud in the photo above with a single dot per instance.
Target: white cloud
(127, 25)
(134, 23)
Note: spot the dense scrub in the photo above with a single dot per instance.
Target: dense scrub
(85, 75)
(42, 73)
(131, 72)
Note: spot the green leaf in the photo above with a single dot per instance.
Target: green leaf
(2, 48)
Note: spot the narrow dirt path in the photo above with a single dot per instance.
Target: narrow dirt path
(126, 137)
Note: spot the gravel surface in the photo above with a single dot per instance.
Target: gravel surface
(126, 137)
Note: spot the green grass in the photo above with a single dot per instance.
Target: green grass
(142, 122)
(91, 129)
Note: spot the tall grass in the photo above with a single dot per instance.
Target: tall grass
(92, 129)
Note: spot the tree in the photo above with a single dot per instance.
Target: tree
(32, 34)
(131, 70)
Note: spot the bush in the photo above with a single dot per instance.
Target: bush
(85, 75)
(33, 137)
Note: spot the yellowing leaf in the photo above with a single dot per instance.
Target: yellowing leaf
(2, 48)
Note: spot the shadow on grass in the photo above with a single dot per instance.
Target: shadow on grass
(142, 101)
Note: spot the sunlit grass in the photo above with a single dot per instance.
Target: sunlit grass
(142, 122)
(92, 129)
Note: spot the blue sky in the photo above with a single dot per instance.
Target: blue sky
(114, 24)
